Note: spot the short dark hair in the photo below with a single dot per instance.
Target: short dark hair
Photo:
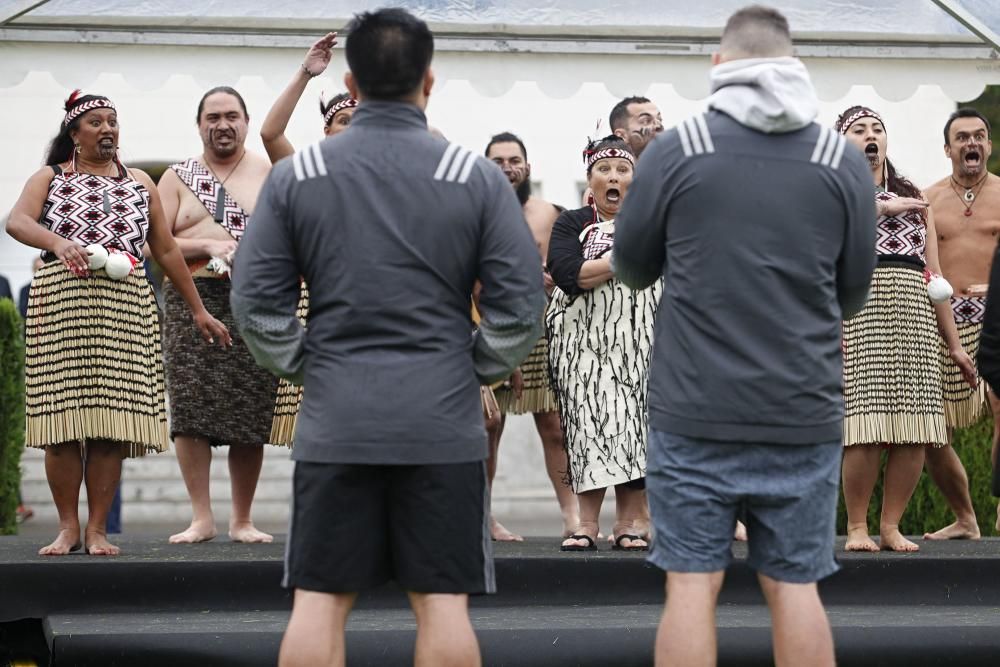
(619, 113)
(966, 112)
(506, 138)
(388, 51)
(228, 90)
(756, 32)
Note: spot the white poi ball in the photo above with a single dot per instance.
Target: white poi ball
(939, 289)
(98, 256)
(118, 266)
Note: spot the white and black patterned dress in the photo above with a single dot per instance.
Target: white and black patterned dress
(599, 346)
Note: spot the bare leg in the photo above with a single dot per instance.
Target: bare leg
(553, 447)
(494, 430)
(860, 472)
(740, 534)
(102, 472)
(590, 514)
(948, 473)
(64, 471)
(445, 637)
(244, 471)
(995, 409)
(315, 633)
(902, 472)
(195, 458)
(801, 630)
(628, 515)
(686, 636)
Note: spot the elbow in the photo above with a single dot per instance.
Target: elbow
(267, 135)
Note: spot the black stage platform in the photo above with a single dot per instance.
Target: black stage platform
(221, 604)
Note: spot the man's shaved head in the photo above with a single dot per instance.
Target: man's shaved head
(756, 32)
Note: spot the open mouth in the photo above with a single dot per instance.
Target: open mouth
(613, 195)
(972, 158)
(871, 152)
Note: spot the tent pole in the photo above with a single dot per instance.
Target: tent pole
(966, 18)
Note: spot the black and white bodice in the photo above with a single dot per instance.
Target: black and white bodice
(110, 211)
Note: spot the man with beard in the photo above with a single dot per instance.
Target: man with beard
(637, 121)
(966, 207)
(529, 391)
(217, 397)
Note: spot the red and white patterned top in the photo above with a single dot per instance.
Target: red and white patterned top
(597, 238)
(904, 234)
(110, 211)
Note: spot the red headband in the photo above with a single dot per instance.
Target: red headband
(89, 105)
(864, 112)
(590, 157)
(339, 106)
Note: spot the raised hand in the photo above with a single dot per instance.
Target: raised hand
(319, 54)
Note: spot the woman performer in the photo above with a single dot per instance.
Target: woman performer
(94, 372)
(892, 371)
(337, 113)
(600, 336)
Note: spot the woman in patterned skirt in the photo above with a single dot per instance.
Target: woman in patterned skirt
(600, 336)
(892, 372)
(337, 113)
(93, 372)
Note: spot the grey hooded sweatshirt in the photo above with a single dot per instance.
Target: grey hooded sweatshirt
(762, 224)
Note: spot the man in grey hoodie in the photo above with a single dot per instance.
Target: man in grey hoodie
(762, 224)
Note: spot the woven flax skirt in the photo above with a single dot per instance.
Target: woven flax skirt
(286, 407)
(221, 395)
(963, 405)
(93, 369)
(537, 395)
(892, 369)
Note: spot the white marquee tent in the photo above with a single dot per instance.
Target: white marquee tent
(545, 69)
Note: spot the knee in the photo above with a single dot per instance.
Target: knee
(776, 591)
(695, 587)
(432, 607)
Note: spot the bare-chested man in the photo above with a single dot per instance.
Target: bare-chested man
(216, 397)
(529, 391)
(966, 208)
(637, 121)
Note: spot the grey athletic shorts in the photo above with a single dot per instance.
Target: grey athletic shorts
(786, 495)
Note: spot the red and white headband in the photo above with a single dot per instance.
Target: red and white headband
(89, 105)
(594, 156)
(863, 112)
(339, 106)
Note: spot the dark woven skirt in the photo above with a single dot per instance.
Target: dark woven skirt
(93, 367)
(286, 407)
(892, 369)
(963, 405)
(220, 395)
(537, 395)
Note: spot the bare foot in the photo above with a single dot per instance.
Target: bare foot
(198, 531)
(67, 541)
(891, 539)
(98, 545)
(859, 540)
(569, 523)
(248, 534)
(956, 531)
(740, 534)
(501, 534)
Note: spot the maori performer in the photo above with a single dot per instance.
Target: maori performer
(337, 113)
(966, 206)
(94, 373)
(529, 390)
(216, 397)
(892, 372)
(600, 336)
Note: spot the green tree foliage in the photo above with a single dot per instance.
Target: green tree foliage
(11, 413)
(928, 510)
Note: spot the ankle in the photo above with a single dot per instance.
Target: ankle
(857, 528)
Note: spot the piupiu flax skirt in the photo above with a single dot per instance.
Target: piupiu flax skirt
(537, 395)
(93, 368)
(599, 348)
(963, 405)
(286, 407)
(220, 395)
(892, 368)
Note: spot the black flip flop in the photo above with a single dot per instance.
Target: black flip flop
(617, 546)
(591, 545)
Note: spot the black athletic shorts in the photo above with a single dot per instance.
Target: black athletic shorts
(355, 527)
